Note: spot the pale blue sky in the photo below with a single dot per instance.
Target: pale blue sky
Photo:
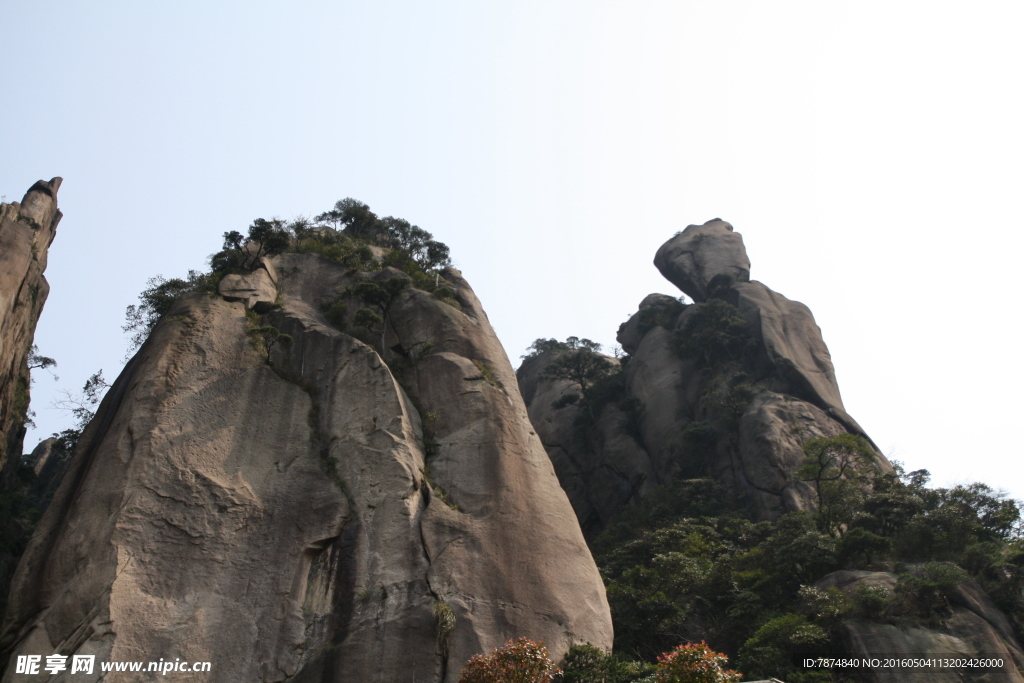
(869, 153)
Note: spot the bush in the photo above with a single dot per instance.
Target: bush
(694, 663)
(715, 333)
(518, 661)
(154, 301)
(770, 649)
(873, 602)
(540, 346)
(589, 664)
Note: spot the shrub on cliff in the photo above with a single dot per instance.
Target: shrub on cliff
(154, 301)
(694, 663)
(581, 364)
(840, 469)
(518, 661)
(714, 333)
(266, 238)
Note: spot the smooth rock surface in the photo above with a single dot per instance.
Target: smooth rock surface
(698, 254)
(257, 290)
(793, 344)
(301, 521)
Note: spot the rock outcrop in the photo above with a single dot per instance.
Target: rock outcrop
(974, 629)
(26, 232)
(316, 507)
(699, 254)
(741, 418)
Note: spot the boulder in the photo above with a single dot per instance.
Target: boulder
(655, 309)
(256, 290)
(698, 254)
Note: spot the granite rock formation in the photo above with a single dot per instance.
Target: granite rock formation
(699, 254)
(26, 232)
(974, 629)
(343, 507)
(742, 423)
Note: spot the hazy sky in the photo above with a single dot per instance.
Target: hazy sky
(870, 153)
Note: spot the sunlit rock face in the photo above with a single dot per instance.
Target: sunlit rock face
(740, 421)
(312, 511)
(26, 231)
(699, 254)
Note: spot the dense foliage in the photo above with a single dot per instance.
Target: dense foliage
(714, 333)
(694, 663)
(518, 661)
(747, 587)
(347, 234)
(688, 564)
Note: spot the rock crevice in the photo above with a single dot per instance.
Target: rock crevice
(297, 513)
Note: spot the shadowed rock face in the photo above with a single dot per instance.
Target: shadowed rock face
(974, 628)
(26, 232)
(305, 520)
(752, 420)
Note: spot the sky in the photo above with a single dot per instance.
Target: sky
(869, 153)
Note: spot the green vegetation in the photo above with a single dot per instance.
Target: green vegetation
(679, 567)
(715, 333)
(838, 468)
(598, 380)
(487, 372)
(26, 494)
(156, 300)
(348, 234)
(518, 661)
(445, 625)
(38, 362)
(589, 664)
(266, 337)
(382, 295)
(335, 310)
(579, 361)
(241, 254)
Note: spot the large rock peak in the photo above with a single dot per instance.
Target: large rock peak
(740, 417)
(699, 254)
(344, 507)
(26, 231)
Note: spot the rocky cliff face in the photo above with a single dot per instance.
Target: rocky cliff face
(974, 629)
(326, 510)
(26, 231)
(740, 416)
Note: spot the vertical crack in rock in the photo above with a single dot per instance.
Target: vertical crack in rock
(272, 514)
